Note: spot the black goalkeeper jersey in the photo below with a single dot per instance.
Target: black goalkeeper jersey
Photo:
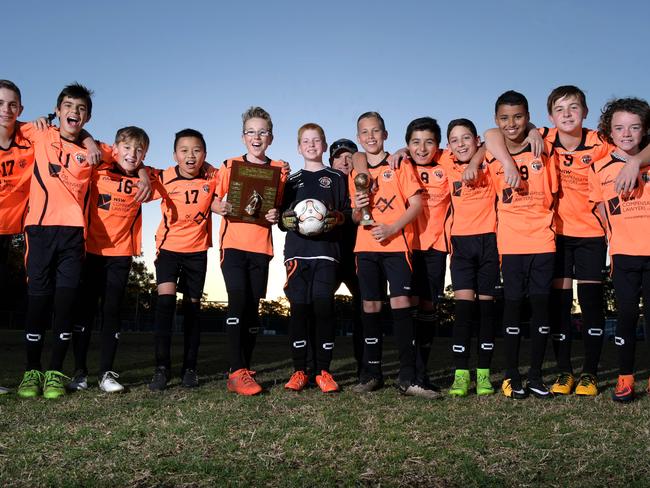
(331, 187)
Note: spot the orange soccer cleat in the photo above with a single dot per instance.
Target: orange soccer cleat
(242, 383)
(298, 381)
(326, 383)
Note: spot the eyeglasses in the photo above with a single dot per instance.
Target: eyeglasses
(253, 133)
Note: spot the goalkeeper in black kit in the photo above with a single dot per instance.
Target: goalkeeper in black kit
(311, 260)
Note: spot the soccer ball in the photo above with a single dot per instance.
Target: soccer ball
(310, 214)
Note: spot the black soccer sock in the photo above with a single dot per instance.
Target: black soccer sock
(299, 334)
(486, 333)
(424, 321)
(164, 318)
(81, 334)
(110, 328)
(324, 325)
(560, 322)
(64, 299)
(405, 337)
(372, 344)
(539, 332)
(592, 304)
(357, 333)
(250, 330)
(512, 336)
(38, 317)
(192, 334)
(625, 340)
(234, 323)
(463, 310)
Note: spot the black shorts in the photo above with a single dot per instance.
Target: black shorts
(54, 257)
(5, 244)
(429, 274)
(106, 272)
(631, 277)
(375, 268)
(475, 263)
(193, 265)
(582, 258)
(245, 271)
(310, 279)
(527, 274)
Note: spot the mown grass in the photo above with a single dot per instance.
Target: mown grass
(208, 437)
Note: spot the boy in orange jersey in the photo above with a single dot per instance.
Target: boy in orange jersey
(526, 242)
(114, 236)
(474, 260)
(312, 261)
(430, 247)
(16, 165)
(383, 252)
(54, 228)
(625, 123)
(183, 237)
(581, 244)
(246, 250)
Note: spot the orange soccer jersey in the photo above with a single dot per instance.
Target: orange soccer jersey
(389, 194)
(432, 223)
(58, 192)
(186, 224)
(628, 219)
(114, 216)
(573, 216)
(473, 206)
(246, 236)
(16, 168)
(525, 216)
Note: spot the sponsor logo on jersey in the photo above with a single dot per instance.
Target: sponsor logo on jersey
(383, 204)
(506, 197)
(54, 169)
(537, 166)
(614, 206)
(199, 218)
(458, 186)
(325, 182)
(387, 175)
(104, 201)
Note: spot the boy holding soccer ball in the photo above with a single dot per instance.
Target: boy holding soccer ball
(312, 254)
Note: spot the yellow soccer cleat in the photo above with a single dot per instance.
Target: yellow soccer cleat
(587, 385)
(563, 384)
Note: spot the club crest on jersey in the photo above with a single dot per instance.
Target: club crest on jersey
(387, 175)
(206, 189)
(586, 159)
(645, 177)
(104, 201)
(325, 182)
(80, 158)
(22, 163)
(439, 174)
(537, 166)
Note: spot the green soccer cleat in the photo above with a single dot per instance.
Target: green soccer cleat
(460, 388)
(483, 383)
(32, 384)
(54, 384)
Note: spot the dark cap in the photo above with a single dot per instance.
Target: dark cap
(341, 146)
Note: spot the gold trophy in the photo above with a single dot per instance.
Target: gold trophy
(362, 184)
(254, 203)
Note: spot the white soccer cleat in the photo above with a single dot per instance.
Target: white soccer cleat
(108, 382)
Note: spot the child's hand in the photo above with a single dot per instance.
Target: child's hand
(332, 219)
(536, 142)
(470, 175)
(361, 199)
(224, 207)
(395, 159)
(144, 190)
(511, 175)
(381, 232)
(94, 153)
(273, 216)
(289, 220)
(41, 123)
(627, 178)
(285, 166)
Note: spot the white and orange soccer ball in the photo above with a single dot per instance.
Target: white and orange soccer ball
(310, 214)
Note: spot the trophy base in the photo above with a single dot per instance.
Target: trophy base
(366, 222)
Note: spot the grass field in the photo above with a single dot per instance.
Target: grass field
(208, 437)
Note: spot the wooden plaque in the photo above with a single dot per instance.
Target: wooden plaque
(253, 191)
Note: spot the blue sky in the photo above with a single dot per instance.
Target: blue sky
(167, 65)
